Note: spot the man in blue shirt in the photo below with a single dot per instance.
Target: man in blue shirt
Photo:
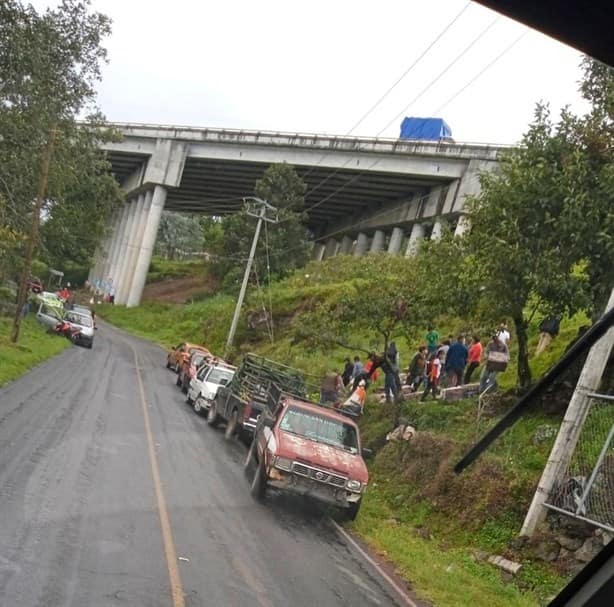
(456, 361)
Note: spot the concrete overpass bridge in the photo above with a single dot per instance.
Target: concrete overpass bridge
(363, 194)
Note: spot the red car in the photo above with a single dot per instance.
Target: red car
(310, 450)
(190, 367)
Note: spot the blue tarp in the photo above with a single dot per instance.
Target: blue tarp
(432, 129)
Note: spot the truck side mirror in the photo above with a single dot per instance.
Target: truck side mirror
(268, 422)
(367, 453)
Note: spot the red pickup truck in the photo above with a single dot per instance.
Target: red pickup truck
(310, 450)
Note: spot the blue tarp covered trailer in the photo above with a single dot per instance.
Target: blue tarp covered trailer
(431, 129)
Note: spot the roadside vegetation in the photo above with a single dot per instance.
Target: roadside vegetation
(34, 347)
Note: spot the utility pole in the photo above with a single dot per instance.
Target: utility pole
(31, 245)
(262, 207)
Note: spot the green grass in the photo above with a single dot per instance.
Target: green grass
(34, 347)
(447, 575)
(161, 269)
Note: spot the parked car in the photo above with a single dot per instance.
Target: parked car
(309, 450)
(189, 368)
(181, 353)
(49, 314)
(85, 324)
(203, 388)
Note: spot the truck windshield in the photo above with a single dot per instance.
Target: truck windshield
(320, 428)
(220, 376)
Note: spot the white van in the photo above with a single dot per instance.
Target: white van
(203, 387)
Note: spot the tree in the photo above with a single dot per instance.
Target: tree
(49, 65)
(178, 233)
(520, 223)
(282, 247)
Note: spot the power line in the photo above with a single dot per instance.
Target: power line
(481, 72)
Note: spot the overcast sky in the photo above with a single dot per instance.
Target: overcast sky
(318, 66)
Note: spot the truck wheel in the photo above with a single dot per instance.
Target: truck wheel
(258, 485)
(352, 512)
(231, 426)
(199, 405)
(212, 417)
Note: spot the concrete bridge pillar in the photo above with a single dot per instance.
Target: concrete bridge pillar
(437, 229)
(318, 251)
(345, 248)
(112, 268)
(330, 249)
(142, 211)
(379, 239)
(463, 225)
(151, 215)
(362, 243)
(396, 240)
(120, 279)
(416, 235)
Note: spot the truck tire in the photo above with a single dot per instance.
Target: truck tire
(352, 511)
(231, 425)
(199, 405)
(213, 418)
(258, 486)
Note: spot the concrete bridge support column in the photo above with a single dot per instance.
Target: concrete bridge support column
(318, 251)
(416, 235)
(362, 244)
(396, 240)
(112, 269)
(151, 219)
(331, 247)
(115, 225)
(379, 239)
(134, 245)
(345, 248)
(125, 253)
(463, 225)
(437, 229)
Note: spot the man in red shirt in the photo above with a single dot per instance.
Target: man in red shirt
(433, 374)
(474, 358)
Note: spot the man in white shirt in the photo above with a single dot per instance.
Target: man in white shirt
(504, 334)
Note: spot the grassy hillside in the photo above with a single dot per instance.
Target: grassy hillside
(428, 521)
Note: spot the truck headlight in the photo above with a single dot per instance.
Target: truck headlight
(283, 463)
(354, 485)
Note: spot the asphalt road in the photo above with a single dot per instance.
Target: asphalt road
(113, 492)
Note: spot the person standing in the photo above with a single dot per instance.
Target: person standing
(358, 367)
(497, 357)
(433, 372)
(348, 372)
(474, 357)
(549, 329)
(456, 361)
(432, 339)
(331, 387)
(416, 373)
(391, 382)
(504, 334)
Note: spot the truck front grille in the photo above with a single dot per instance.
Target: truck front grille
(321, 476)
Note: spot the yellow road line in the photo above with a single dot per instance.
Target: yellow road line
(167, 536)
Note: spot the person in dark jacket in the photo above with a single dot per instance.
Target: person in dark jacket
(548, 330)
(456, 361)
(348, 372)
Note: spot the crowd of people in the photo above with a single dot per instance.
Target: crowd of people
(437, 364)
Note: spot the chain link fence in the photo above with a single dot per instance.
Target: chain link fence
(586, 489)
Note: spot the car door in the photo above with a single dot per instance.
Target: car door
(47, 317)
(196, 383)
